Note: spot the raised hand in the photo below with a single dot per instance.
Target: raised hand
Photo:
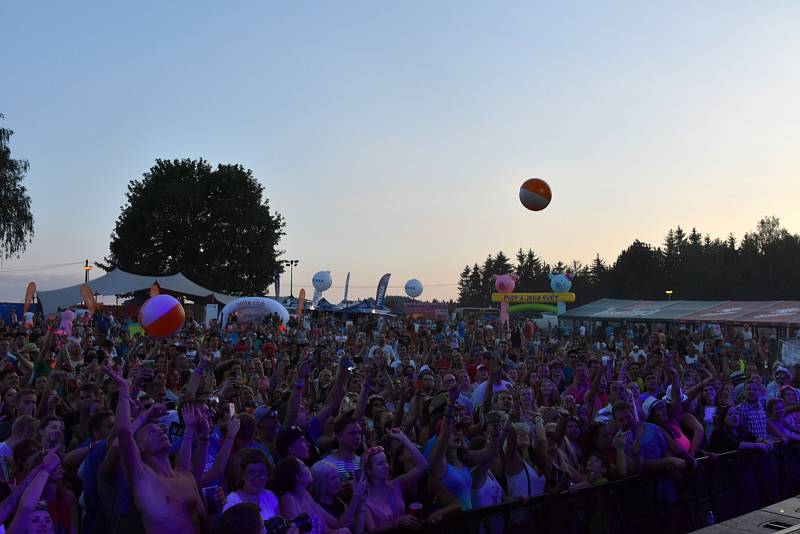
(51, 461)
(398, 434)
(305, 369)
(233, 427)
(190, 415)
(116, 377)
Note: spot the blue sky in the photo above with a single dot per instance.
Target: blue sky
(393, 137)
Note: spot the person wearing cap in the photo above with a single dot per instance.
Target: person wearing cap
(782, 378)
(557, 374)
(266, 429)
(498, 384)
(292, 441)
(645, 442)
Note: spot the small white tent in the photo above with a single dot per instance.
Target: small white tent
(118, 282)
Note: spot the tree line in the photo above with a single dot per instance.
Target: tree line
(763, 265)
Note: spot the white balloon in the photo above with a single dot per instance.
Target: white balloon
(322, 281)
(413, 288)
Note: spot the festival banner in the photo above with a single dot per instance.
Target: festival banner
(383, 284)
(301, 302)
(346, 287)
(426, 309)
(88, 298)
(31, 289)
(531, 298)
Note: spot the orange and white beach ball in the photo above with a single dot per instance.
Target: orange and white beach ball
(535, 194)
(161, 316)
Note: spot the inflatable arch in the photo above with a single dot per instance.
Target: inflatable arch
(255, 307)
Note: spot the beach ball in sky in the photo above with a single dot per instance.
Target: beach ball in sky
(535, 194)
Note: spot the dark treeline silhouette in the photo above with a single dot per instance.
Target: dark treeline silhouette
(764, 265)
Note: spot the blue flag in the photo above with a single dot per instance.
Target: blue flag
(381, 293)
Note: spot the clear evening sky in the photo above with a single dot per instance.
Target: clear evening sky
(393, 136)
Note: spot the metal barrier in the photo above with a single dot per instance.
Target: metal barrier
(728, 485)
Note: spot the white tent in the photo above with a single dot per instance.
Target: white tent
(118, 282)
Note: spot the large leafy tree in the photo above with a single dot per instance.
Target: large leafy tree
(213, 225)
(16, 219)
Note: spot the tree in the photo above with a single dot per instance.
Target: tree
(213, 225)
(762, 266)
(464, 292)
(16, 219)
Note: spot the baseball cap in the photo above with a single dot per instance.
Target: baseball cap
(737, 375)
(286, 438)
(264, 411)
(782, 369)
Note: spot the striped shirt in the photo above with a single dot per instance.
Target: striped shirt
(346, 468)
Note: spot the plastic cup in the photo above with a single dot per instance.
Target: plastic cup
(415, 510)
(210, 500)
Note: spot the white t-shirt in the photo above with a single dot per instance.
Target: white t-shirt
(268, 503)
(479, 392)
(387, 349)
(637, 355)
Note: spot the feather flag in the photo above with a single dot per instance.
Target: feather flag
(88, 298)
(31, 289)
(301, 301)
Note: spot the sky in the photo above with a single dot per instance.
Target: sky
(394, 136)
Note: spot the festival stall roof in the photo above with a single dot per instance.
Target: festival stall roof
(637, 310)
(728, 311)
(689, 311)
(118, 282)
(784, 312)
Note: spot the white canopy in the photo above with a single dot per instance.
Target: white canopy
(118, 282)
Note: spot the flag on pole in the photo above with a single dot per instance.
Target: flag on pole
(88, 298)
(346, 286)
(29, 291)
(301, 301)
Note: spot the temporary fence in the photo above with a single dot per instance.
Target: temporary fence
(719, 488)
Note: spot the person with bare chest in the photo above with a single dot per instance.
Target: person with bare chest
(167, 498)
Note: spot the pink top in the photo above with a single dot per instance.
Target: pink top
(680, 438)
(385, 511)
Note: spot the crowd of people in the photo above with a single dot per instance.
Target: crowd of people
(347, 424)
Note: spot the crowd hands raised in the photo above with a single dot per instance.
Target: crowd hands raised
(334, 426)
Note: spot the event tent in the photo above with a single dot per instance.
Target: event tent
(689, 311)
(324, 305)
(118, 282)
(366, 306)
